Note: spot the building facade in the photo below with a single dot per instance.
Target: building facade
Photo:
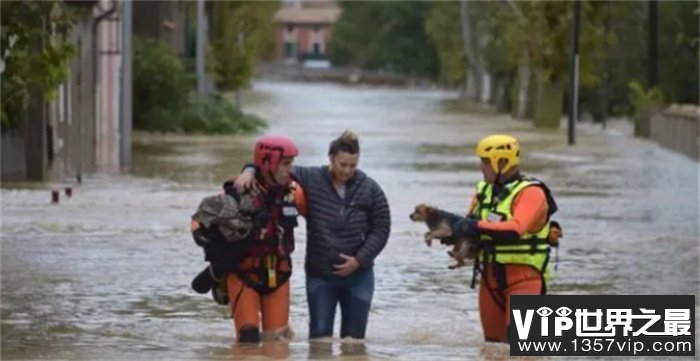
(79, 131)
(304, 30)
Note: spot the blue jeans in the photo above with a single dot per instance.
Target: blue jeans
(354, 293)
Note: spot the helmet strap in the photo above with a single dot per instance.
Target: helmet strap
(269, 178)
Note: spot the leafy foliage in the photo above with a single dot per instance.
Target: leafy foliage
(425, 38)
(161, 86)
(35, 54)
(217, 115)
(241, 31)
(163, 98)
(385, 35)
(679, 55)
(644, 99)
(443, 28)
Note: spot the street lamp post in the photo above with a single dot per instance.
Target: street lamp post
(573, 78)
(201, 46)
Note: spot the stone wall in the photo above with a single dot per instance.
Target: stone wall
(677, 128)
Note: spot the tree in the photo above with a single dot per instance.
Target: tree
(625, 56)
(35, 54)
(486, 40)
(495, 20)
(443, 27)
(624, 60)
(545, 34)
(678, 51)
(240, 30)
(387, 35)
(161, 86)
(472, 40)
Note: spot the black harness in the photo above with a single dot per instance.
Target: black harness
(277, 245)
(227, 256)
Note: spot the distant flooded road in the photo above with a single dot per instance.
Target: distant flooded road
(106, 274)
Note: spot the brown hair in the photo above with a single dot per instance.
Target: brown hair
(346, 142)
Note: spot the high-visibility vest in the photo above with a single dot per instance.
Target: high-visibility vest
(532, 248)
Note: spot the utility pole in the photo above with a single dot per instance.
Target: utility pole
(606, 65)
(653, 45)
(238, 90)
(201, 46)
(127, 92)
(573, 78)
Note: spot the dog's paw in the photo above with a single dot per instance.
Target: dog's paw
(457, 265)
(428, 238)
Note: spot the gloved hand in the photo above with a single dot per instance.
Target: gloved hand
(231, 190)
(465, 228)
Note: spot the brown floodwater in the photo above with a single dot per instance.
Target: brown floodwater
(105, 274)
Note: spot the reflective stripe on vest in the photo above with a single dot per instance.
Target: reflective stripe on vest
(531, 249)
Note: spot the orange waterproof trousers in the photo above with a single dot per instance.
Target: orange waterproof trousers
(249, 308)
(494, 303)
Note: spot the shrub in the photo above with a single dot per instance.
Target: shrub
(642, 99)
(643, 104)
(164, 101)
(161, 86)
(216, 114)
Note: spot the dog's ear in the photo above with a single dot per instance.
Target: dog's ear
(428, 210)
(419, 212)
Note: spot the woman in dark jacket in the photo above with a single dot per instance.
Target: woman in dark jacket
(348, 225)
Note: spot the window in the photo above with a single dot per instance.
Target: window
(290, 28)
(289, 50)
(317, 28)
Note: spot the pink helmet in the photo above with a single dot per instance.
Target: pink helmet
(270, 150)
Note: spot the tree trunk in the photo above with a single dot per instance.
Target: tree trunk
(549, 107)
(524, 82)
(486, 85)
(471, 51)
(495, 89)
(504, 98)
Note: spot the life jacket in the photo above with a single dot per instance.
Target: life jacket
(272, 239)
(532, 249)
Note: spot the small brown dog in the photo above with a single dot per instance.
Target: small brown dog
(440, 223)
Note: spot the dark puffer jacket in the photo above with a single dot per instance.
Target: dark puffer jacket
(358, 225)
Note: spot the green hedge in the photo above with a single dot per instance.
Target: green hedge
(217, 114)
(164, 100)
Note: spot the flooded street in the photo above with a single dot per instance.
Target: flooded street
(106, 274)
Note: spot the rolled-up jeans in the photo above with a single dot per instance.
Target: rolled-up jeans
(354, 293)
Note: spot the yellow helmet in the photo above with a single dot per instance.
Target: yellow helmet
(497, 147)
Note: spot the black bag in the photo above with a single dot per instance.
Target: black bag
(224, 255)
